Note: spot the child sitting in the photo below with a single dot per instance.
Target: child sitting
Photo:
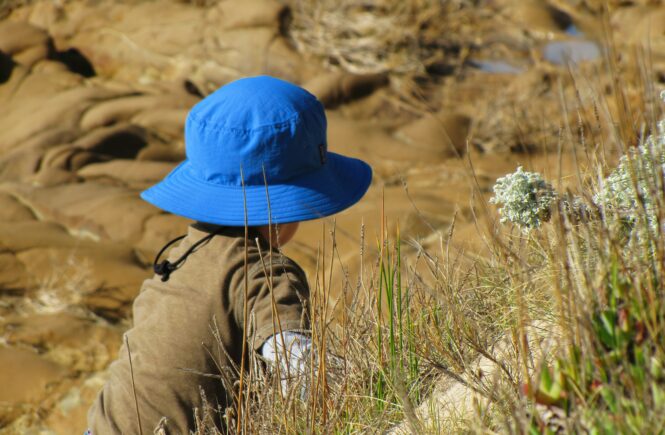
(257, 164)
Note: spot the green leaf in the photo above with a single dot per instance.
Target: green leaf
(609, 398)
(658, 396)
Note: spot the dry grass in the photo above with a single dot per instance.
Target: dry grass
(374, 36)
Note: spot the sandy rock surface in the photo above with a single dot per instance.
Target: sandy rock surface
(93, 100)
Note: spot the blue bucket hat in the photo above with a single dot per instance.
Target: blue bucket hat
(247, 128)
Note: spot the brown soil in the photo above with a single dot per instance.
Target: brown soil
(93, 98)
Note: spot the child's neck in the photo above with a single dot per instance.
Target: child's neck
(280, 234)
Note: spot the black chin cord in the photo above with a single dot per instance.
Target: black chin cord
(165, 268)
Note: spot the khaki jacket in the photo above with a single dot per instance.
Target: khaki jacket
(175, 353)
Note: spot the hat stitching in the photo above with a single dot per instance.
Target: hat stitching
(296, 117)
(312, 206)
(321, 206)
(232, 186)
(196, 180)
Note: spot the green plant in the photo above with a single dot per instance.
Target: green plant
(608, 286)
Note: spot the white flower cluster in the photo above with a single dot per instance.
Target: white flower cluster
(630, 189)
(526, 198)
(635, 180)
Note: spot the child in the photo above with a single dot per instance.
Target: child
(257, 164)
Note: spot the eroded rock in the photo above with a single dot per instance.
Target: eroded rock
(239, 13)
(159, 230)
(19, 236)
(335, 88)
(70, 340)
(120, 140)
(368, 141)
(48, 177)
(13, 276)
(102, 211)
(35, 116)
(131, 172)
(124, 108)
(100, 277)
(11, 210)
(164, 122)
(17, 37)
(441, 134)
(70, 412)
(37, 375)
(162, 153)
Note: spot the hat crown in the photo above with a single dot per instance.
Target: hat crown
(254, 125)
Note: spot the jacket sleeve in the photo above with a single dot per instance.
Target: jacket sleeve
(277, 296)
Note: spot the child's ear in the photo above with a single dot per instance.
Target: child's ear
(285, 232)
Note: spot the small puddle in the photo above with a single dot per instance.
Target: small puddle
(562, 52)
(496, 66)
(572, 51)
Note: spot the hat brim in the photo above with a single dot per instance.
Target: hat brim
(339, 184)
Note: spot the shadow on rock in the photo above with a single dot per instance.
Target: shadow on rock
(6, 67)
(75, 61)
